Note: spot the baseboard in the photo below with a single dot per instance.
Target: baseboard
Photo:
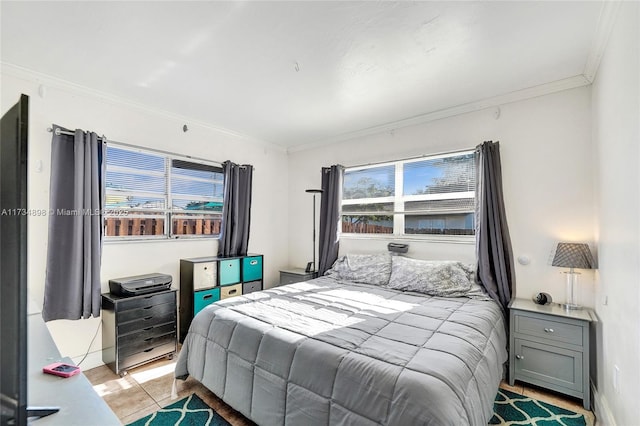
(601, 408)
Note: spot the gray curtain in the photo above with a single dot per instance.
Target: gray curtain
(493, 245)
(72, 284)
(329, 216)
(236, 210)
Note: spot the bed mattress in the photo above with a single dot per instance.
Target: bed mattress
(328, 352)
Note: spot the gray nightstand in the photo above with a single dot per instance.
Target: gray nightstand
(549, 347)
(295, 275)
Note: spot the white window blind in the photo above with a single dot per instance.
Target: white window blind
(154, 195)
(196, 198)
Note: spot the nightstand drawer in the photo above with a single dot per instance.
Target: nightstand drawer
(548, 329)
(548, 365)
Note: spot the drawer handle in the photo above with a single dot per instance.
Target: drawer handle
(148, 350)
(548, 330)
(147, 318)
(148, 307)
(253, 263)
(519, 357)
(148, 328)
(232, 291)
(148, 339)
(207, 296)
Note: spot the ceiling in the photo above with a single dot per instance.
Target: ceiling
(299, 73)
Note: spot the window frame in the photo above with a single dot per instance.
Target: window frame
(399, 212)
(167, 214)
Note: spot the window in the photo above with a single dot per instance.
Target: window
(432, 195)
(153, 195)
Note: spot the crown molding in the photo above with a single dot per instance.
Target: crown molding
(74, 88)
(515, 96)
(606, 21)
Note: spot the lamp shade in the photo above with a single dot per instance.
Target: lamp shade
(573, 255)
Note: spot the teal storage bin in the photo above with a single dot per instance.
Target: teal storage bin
(251, 268)
(229, 271)
(203, 298)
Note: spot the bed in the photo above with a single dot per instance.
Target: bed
(363, 345)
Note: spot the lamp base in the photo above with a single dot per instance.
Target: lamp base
(572, 291)
(571, 306)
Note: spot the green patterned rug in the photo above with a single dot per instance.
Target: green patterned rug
(190, 411)
(509, 409)
(513, 409)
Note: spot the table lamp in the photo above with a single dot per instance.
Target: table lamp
(572, 256)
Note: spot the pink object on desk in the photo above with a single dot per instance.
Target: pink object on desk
(61, 369)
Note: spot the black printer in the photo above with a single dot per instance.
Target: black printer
(140, 284)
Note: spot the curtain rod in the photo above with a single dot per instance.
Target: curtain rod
(459, 151)
(58, 131)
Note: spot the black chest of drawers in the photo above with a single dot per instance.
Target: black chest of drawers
(138, 329)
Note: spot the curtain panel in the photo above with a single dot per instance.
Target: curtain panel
(76, 200)
(493, 244)
(330, 203)
(236, 210)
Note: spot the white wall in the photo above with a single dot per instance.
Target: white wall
(616, 135)
(74, 107)
(546, 155)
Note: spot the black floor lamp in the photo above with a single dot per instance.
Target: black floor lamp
(311, 266)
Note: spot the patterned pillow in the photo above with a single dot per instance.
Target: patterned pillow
(362, 268)
(434, 277)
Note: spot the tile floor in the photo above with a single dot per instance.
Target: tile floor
(146, 389)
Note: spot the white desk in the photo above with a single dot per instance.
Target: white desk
(79, 404)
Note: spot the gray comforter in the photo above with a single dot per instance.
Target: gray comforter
(326, 352)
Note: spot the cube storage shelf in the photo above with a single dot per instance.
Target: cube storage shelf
(204, 280)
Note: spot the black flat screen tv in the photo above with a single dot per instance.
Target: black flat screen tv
(13, 263)
(13, 268)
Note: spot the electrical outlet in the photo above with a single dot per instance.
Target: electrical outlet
(616, 378)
